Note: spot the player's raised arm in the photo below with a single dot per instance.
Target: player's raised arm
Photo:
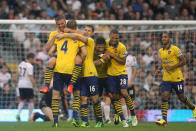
(73, 36)
(50, 43)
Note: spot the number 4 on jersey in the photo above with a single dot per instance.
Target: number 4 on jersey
(64, 47)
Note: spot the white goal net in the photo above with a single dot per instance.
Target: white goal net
(142, 39)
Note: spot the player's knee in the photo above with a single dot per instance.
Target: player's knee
(124, 93)
(83, 100)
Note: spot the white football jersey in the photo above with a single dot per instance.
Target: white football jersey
(130, 62)
(25, 69)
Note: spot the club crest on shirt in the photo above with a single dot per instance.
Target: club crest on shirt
(179, 52)
(124, 54)
(169, 52)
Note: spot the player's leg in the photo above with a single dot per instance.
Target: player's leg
(58, 85)
(48, 114)
(76, 107)
(76, 73)
(94, 92)
(179, 88)
(30, 96)
(31, 107)
(124, 108)
(84, 111)
(113, 92)
(165, 89)
(129, 102)
(106, 109)
(84, 105)
(48, 74)
(21, 102)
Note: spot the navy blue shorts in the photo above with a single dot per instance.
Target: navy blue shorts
(116, 83)
(102, 83)
(60, 80)
(89, 86)
(177, 86)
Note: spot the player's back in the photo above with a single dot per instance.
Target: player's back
(88, 64)
(24, 70)
(169, 57)
(67, 50)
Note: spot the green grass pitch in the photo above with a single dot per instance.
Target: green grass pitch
(66, 126)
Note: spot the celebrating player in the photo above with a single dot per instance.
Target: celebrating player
(25, 85)
(100, 61)
(60, 24)
(67, 50)
(172, 60)
(89, 81)
(117, 74)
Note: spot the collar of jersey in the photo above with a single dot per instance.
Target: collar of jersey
(169, 47)
(116, 45)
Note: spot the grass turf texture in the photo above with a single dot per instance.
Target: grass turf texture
(66, 126)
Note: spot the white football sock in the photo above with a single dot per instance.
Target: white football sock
(124, 109)
(107, 112)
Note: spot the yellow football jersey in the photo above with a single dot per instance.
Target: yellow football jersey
(115, 68)
(52, 34)
(88, 64)
(67, 50)
(170, 57)
(101, 69)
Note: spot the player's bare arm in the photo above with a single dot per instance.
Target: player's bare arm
(118, 59)
(52, 50)
(67, 30)
(83, 52)
(50, 43)
(34, 83)
(72, 36)
(181, 63)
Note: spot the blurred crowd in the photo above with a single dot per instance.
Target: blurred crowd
(143, 45)
(99, 9)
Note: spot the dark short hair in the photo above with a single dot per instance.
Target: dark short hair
(72, 24)
(92, 27)
(114, 31)
(168, 33)
(100, 40)
(59, 17)
(30, 55)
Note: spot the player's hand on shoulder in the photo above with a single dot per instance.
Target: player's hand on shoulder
(59, 36)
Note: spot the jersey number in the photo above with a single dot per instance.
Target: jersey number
(64, 47)
(179, 87)
(22, 71)
(92, 89)
(123, 82)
